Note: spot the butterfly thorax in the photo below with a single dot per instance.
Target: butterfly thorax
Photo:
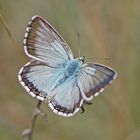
(72, 68)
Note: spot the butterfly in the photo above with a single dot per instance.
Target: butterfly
(54, 75)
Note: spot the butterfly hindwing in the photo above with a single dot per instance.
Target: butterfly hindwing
(38, 78)
(67, 98)
(42, 42)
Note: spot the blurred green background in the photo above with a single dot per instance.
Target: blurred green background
(108, 28)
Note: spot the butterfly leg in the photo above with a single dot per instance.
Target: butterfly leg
(87, 103)
(82, 109)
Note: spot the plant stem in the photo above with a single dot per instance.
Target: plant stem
(27, 133)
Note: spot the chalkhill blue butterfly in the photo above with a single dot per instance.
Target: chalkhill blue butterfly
(53, 74)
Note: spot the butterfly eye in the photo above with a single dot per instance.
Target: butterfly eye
(82, 59)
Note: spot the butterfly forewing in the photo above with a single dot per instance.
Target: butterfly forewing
(43, 43)
(96, 78)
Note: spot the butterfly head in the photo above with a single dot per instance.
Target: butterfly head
(81, 59)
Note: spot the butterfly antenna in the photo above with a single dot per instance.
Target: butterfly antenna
(78, 34)
(107, 58)
(99, 58)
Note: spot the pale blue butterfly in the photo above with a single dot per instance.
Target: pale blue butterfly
(54, 75)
